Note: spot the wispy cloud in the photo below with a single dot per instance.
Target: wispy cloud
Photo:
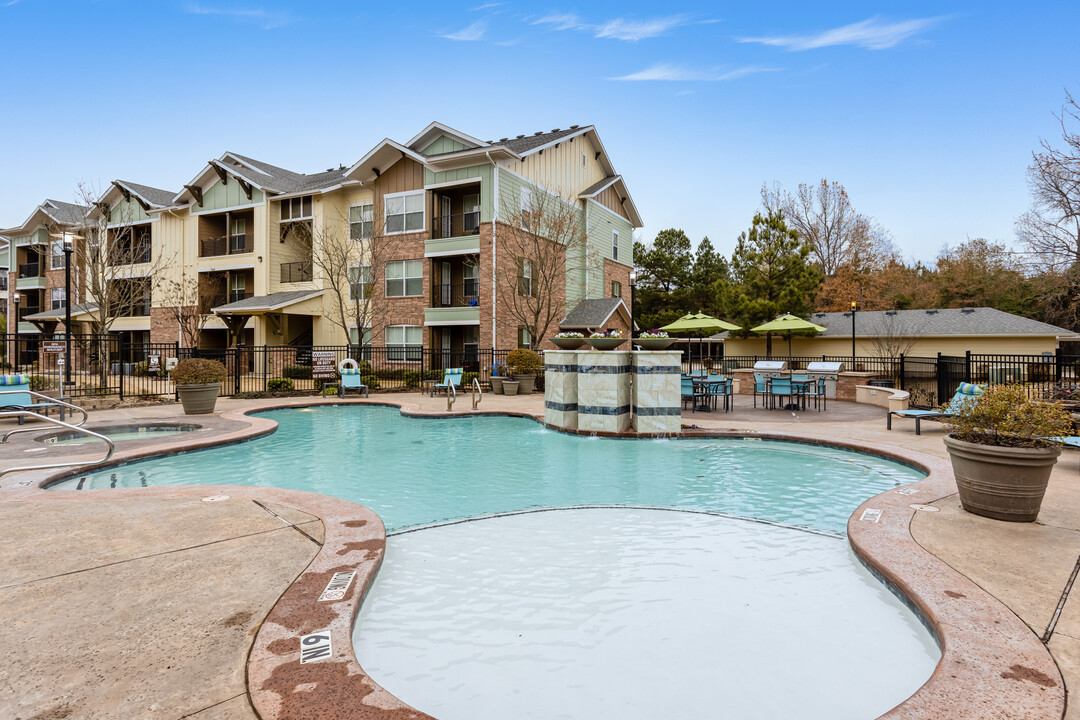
(487, 6)
(468, 34)
(266, 19)
(871, 34)
(615, 29)
(663, 72)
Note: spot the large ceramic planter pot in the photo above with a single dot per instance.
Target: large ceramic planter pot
(654, 343)
(568, 343)
(198, 399)
(1004, 483)
(510, 387)
(496, 384)
(525, 383)
(606, 343)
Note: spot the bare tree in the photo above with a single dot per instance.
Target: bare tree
(546, 239)
(893, 336)
(350, 266)
(1051, 228)
(190, 308)
(823, 216)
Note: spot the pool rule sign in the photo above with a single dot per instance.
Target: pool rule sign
(53, 347)
(323, 365)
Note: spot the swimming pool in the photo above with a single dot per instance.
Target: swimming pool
(419, 471)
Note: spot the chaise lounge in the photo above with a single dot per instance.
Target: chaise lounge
(967, 392)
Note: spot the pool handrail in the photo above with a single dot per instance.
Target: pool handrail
(61, 423)
(52, 401)
(477, 393)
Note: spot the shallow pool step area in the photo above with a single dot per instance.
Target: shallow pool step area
(614, 391)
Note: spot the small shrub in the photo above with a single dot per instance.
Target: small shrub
(297, 372)
(388, 374)
(331, 391)
(41, 382)
(364, 367)
(279, 384)
(370, 380)
(5, 365)
(197, 371)
(467, 379)
(412, 378)
(1005, 416)
(433, 375)
(141, 369)
(319, 382)
(524, 362)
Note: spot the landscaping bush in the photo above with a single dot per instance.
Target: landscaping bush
(364, 367)
(389, 374)
(331, 391)
(279, 384)
(197, 371)
(41, 382)
(468, 377)
(297, 372)
(525, 362)
(1005, 416)
(412, 378)
(141, 369)
(370, 380)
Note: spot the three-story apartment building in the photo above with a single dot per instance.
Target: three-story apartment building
(248, 238)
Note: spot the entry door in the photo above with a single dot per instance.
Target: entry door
(446, 216)
(446, 287)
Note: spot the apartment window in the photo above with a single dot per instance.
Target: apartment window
(470, 206)
(361, 221)
(359, 282)
(616, 289)
(404, 278)
(471, 277)
(58, 296)
(582, 158)
(526, 208)
(525, 273)
(238, 235)
(614, 244)
(404, 342)
(297, 208)
(524, 337)
(404, 212)
(237, 288)
(471, 343)
(365, 343)
(57, 256)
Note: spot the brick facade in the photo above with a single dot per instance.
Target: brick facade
(163, 325)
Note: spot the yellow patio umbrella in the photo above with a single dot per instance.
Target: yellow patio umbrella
(699, 322)
(787, 324)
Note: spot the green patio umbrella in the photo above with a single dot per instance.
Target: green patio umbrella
(787, 324)
(699, 322)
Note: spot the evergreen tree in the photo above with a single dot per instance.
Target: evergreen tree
(710, 267)
(771, 274)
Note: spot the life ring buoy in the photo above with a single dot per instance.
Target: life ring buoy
(345, 363)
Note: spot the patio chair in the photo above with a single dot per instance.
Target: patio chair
(720, 387)
(782, 388)
(15, 395)
(350, 380)
(690, 392)
(967, 392)
(761, 387)
(816, 390)
(800, 376)
(451, 376)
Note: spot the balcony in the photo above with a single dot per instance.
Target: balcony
(465, 294)
(129, 255)
(24, 311)
(294, 272)
(30, 270)
(3, 282)
(227, 245)
(452, 226)
(139, 308)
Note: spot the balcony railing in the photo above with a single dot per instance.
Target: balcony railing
(296, 271)
(465, 294)
(226, 245)
(30, 270)
(138, 308)
(24, 311)
(130, 255)
(213, 300)
(3, 282)
(460, 225)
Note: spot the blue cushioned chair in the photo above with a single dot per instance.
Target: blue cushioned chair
(966, 393)
(350, 380)
(781, 388)
(15, 395)
(451, 376)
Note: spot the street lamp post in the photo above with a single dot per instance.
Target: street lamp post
(18, 299)
(854, 307)
(68, 248)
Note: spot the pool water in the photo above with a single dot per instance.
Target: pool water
(419, 471)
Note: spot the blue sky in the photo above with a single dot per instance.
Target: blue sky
(926, 112)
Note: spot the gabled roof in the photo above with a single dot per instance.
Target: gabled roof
(593, 314)
(527, 144)
(379, 158)
(271, 179)
(948, 321)
(50, 211)
(155, 197)
(436, 130)
(266, 303)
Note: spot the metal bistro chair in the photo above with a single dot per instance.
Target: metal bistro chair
(722, 388)
(816, 390)
(687, 390)
(781, 387)
(715, 389)
(761, 387)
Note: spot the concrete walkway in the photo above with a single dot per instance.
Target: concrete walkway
(146, 607)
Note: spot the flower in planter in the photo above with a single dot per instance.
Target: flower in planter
(570, 335)
(607, 334)
(657, 334)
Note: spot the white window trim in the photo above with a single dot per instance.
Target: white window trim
(404, 278)
(404, 345)
(281, 205)
(371, 204)
(348, 279)
(615, 245)
(404, 231)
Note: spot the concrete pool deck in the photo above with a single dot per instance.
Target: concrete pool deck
(1027, 567)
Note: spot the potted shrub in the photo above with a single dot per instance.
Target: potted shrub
(198, 381)
(1002, 451)
(568, 340)
(523, 365)
(497, 378)
(654, 340)
(606, 340)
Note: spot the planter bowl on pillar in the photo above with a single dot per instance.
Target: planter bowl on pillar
(605, 343)
(654, 343)
(568, 343)
(1004, 483)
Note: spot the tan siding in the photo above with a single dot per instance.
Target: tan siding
(610, 199)
(559, 168)
(923, 347)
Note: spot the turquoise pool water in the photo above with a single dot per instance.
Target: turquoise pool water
(418, 471)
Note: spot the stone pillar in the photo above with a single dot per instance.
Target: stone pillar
(561, 388)
(657, 391)
(604, 391)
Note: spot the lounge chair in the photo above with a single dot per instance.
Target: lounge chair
(967, 392)
(451, 376)
(15, 395)
(350, 380)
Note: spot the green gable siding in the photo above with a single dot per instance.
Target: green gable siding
(219, 197)
(601, 224)
(127, 211)
(480, 172)
(443, 145)
(4, 254)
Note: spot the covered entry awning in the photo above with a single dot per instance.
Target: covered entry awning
(272, 306)
(47, 320)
